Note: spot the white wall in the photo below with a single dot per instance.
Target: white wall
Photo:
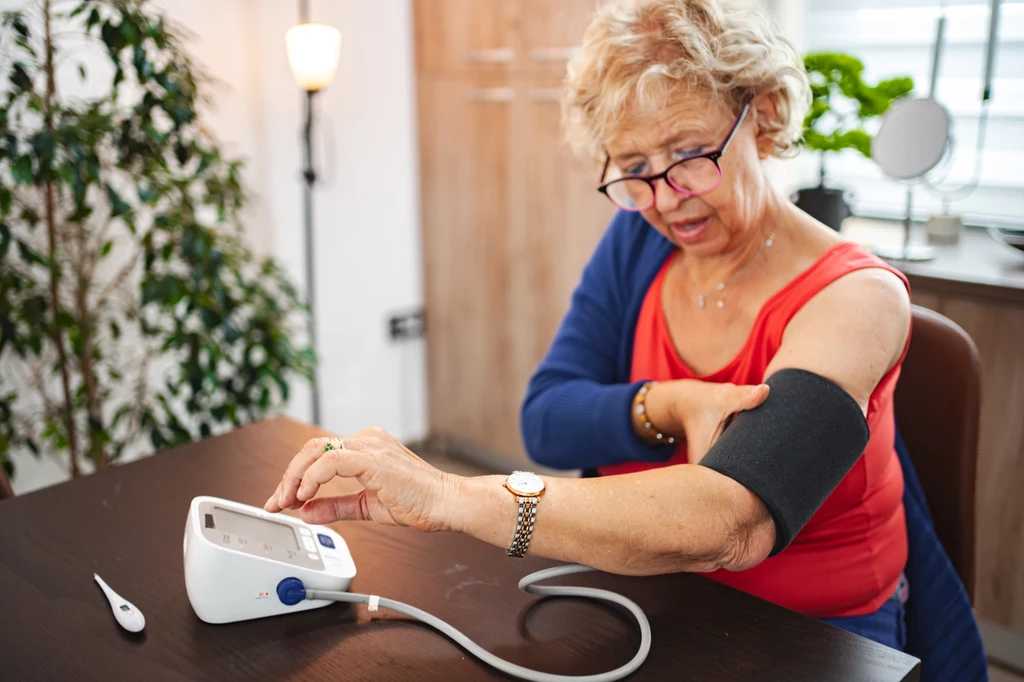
(368, 254)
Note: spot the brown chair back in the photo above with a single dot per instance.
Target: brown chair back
(938, 406)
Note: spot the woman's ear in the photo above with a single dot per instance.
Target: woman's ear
(764, 106)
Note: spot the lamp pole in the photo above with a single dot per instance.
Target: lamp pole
(312, 54)
(313, 51)
(309, 175)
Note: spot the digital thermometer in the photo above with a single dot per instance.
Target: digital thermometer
(242, 562)
(128, 616)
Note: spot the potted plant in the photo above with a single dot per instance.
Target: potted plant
(842, 105)
(132, 315)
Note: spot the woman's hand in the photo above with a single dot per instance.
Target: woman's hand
(399, 488)
(699, 410)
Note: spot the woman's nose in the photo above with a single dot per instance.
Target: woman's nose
(666, 199)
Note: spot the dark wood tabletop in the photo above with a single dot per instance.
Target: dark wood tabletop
(127, 523)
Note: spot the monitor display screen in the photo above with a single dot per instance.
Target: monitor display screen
(256, 529)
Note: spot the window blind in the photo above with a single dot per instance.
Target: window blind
(895, 38)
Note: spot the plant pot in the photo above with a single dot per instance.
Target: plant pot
(824, 204)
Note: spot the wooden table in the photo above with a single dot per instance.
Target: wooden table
(127, 524)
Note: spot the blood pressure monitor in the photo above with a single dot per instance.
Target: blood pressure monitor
(240, 561)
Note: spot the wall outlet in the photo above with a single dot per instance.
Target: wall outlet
(405, 326)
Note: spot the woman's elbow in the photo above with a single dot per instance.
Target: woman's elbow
(540, 447)
(749, 540)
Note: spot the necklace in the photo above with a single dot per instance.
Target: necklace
(718, 288)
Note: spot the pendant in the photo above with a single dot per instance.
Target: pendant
(721, 303)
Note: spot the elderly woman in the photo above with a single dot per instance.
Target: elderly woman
(709, 295)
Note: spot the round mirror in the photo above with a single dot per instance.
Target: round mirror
(913, 138)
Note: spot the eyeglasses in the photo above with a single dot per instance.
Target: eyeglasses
(690, 176)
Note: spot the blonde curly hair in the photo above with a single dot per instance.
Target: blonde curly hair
(638, 54)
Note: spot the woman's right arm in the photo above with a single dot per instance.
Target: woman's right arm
(576, 413)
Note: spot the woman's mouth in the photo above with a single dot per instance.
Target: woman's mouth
(690, 230)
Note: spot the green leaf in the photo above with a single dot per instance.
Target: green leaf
(19, 77)
(81, 72)
(107, 246)
(65, 320)
(22, 170)
(147, 194)
(128, 31)
(5, 240)
(29, 255)
(118, 206)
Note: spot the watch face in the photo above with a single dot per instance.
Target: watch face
(526, 483)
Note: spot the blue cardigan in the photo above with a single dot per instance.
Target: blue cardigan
(576, 416)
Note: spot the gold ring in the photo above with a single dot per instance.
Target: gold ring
(334, 444)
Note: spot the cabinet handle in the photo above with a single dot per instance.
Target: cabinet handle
(553, 54)
(491, 94)
(500, 55)
(546, 95)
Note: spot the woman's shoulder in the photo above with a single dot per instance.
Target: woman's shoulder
(828, 271)
(829, 255)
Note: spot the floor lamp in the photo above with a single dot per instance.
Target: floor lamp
(313, 51)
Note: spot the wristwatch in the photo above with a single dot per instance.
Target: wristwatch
(527, 487)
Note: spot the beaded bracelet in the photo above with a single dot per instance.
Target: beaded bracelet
(640, 409)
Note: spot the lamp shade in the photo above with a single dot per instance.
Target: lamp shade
(313, 51)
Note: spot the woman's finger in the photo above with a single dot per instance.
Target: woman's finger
(752, 396)
(271, 504)
(309, 453)
(346, 463)
(323, 510)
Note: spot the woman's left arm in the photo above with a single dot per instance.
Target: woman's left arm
(852, 332)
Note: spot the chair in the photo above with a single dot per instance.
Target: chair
(938, 405)
(6, 490)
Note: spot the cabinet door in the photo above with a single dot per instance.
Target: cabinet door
(557, 220)
(552, 32)
(465, 145)
(466, 36)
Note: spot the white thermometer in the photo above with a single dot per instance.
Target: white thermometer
(130, 618)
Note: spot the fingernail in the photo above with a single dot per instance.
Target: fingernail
(266, 505)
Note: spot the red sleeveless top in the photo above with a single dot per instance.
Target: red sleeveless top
(847, 559)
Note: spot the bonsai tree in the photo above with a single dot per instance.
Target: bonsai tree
(842, 103)
(132, 316)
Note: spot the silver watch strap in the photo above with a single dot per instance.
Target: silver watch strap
(524, 526)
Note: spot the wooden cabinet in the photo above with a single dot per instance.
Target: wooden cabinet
(509, 216)
(465, 127)
(551, 32)
(466, 36)
(557, 222)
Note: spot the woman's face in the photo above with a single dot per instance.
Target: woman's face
(727, 216)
